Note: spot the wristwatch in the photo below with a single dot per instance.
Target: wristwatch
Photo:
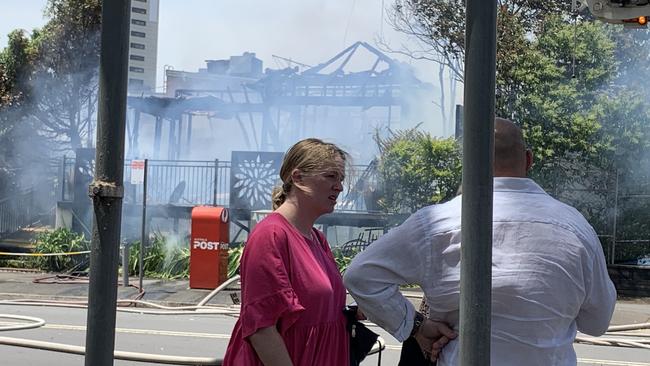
(417, 322)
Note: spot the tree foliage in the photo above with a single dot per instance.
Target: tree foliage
(15, 72)
(65, 83)
(438, 26)
(15, 62)
(552, 90)
(416, 170)
(52, 74)
(48, 86)
(577, 88)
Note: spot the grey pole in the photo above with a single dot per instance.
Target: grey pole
(478, 146)
(144, 235)
(612, 254)
(107, 190)
(125, 265)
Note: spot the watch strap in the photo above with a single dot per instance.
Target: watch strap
(417, 322)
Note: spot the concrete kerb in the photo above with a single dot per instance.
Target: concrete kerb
(20, 285)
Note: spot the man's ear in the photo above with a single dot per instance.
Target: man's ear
(529, 159)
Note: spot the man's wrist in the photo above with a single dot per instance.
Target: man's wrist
(417, 323)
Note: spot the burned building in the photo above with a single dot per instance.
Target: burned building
(233, 105)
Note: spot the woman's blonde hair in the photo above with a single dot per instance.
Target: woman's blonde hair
(309, 156)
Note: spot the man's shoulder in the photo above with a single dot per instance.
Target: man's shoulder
(450, 207)
(545, 209)
(440, 217)
(561, 211)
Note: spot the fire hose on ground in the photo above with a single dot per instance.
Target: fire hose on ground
(636, 340)
(200, 308)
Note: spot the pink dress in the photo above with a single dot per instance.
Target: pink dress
(291, 282)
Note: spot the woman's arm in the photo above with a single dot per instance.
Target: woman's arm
(270, 347)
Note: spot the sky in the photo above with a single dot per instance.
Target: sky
(192, 31)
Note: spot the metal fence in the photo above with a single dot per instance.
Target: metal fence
(617, 205)
(16, 211)
(188, 183)
(619, 214)
(21, 208)
(182, 183)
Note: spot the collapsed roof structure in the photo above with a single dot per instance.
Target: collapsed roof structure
(277, 104)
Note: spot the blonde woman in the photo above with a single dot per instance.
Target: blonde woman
(292, 292)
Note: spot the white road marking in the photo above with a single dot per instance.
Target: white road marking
(390, 347)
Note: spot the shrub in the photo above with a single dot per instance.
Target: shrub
(59, 241)
(417, 170)
(343, 258)
(234, 259)
(165, 257)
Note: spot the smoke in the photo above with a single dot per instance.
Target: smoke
(216, 132)
(309, 32)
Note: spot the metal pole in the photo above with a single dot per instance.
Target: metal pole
(144, 235)
(107, 190)
(157, 137)
(63, 180)
(216, 182)
(613, 251)
(478, 151)
(458, 131)
(125, 265)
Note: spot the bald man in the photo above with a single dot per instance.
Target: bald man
(549, 277)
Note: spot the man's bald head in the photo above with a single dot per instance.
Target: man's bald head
(511, 158)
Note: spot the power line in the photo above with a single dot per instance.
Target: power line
(381, 23)
(347, 26)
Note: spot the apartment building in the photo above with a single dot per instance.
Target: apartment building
(143, 46)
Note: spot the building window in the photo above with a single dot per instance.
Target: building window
(139, 46)
(139, 10)
(136, 82)
(139, 22)
(136, 69)
(138, 34)
(136, 57)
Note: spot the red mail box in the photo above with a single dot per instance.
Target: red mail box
(209, 247)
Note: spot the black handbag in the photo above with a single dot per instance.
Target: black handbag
(362, 339)
(412, 355)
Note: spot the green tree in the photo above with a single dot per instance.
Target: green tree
(15, 70)
(64, 84)
(15, 61)
(55, 76)
(438, 26)
(557, 84)
(48, 86)
(416, 170)
(577, 88)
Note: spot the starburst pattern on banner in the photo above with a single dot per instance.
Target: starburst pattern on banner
(255, 180)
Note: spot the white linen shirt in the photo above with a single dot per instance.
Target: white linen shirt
(549, 276)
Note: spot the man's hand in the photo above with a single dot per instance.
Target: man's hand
(432, 336)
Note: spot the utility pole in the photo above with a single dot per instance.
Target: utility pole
(478, 150)
(107, 190)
